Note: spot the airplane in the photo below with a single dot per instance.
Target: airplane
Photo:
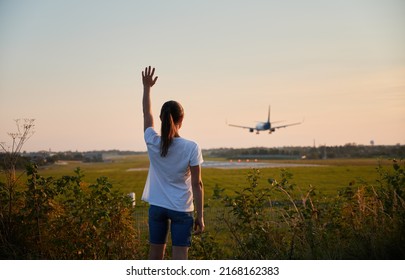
(263, 126)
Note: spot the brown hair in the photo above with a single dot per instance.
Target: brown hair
(171, 114)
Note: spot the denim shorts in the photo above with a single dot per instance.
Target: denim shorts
(180, 224)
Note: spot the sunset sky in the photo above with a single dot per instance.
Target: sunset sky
(75, 66)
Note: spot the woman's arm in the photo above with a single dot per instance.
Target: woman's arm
(148, 82)
(198, 193)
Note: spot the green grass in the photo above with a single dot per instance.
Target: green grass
(327, 177)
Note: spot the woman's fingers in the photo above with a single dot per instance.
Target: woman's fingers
(147, 76)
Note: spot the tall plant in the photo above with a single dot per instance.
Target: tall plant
(9, 196)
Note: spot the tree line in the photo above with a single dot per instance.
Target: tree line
(321, 152)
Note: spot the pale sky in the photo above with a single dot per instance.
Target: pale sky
(75, 66)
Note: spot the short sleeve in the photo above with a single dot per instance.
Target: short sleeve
(150, 135)
(196, 156)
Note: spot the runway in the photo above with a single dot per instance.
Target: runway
(251, 164)
(240, 165)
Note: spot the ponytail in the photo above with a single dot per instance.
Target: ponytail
(171, 114)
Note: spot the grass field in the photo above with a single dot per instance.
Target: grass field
(128, 174)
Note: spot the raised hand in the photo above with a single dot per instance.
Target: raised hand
(147, 77)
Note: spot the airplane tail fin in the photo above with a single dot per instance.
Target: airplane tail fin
(268, 118)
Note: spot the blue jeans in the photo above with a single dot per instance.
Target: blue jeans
(180, 224)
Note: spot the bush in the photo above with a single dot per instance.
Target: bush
(373, 217)
(362, 222)
(68, 219)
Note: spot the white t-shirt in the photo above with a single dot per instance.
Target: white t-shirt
(169, 179)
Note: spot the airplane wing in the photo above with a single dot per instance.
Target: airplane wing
(283, 126)
(241, 126)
